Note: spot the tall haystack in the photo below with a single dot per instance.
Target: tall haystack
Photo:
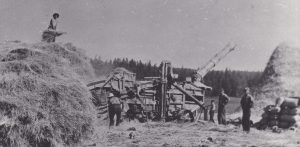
(282, 74)
(44, 100)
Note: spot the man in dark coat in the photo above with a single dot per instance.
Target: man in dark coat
(223, 101)
(114, 108)
(246, 104)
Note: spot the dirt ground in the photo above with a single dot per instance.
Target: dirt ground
(199, 133)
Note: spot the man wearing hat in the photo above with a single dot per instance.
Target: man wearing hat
(246, 104)
(223, 101)
(53, 22)
(50, 34)
(114, 108)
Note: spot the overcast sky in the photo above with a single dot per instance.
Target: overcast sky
(186, 32)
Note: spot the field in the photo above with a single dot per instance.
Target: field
(191, 134)
(201, 133)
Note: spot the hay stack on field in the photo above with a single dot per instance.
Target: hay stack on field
(282, 74)
(43, 97)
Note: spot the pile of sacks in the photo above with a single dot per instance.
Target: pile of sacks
(270, 117)
(290, 112)
(284, 114)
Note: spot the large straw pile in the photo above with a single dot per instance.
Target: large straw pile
(282, 74)
(43, 97)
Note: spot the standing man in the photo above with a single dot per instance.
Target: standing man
(246, 104)
(114, 108)
(223, 101)
(132, 103)
(53, 22)
(50, 34)
(212, 111)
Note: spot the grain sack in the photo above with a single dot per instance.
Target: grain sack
(273, 123)
(285, 111)
(295, 111)
(265, 115)
(279, 101)
(272, 109)
(262, 124)
(290, 103)
(290, 118)
(273, 117)
(284, 124)
(264, 121)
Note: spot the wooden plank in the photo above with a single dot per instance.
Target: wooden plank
(150, 78)
(178, 103)
(191, 96)
(107, 81)
(190, 102)
(129, 81)
(95, 83)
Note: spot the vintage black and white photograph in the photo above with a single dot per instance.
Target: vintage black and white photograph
(149, 73)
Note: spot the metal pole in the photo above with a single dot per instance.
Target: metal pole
(163, 91)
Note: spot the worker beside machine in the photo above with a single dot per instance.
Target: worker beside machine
(223, 101)
(114, 108)
(212, 111)
(135, 105)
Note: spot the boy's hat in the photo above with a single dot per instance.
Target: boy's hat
(55, 14)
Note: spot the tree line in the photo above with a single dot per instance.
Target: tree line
(232, 81)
